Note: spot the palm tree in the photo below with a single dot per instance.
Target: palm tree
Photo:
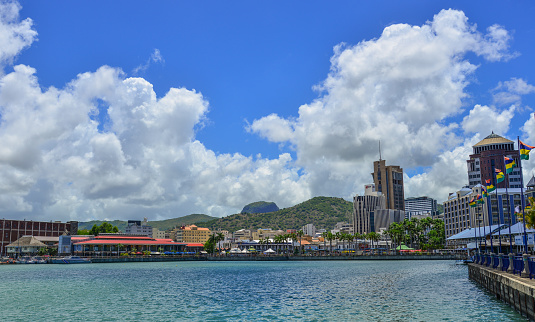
(337, 236)
(343, 240)
(218, 237)
(278, 240)
(324, 235)
(374, 237)
(357, 236)
(330, 237)
(300, 234)
(349, 238)
(396, 232)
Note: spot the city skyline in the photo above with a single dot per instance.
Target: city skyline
(122, 111)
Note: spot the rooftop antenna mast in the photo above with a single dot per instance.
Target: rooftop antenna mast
(379, 150)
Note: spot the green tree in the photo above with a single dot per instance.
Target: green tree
(373, 237)
(324, 235)
(330, 238)
(529, 213)
(209, 245)
(437, 235)
(350, 238)
(300, 234)
(104, 228)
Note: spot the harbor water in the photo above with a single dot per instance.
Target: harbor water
(247, 291)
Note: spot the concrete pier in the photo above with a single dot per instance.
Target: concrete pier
(518, 292)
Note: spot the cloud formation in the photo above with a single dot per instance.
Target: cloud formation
(400, 89)
(155, 57)
(105, 146)
(15, 35)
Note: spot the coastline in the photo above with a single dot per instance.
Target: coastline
(274, 258)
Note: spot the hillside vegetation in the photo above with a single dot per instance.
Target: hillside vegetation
(323, 212)
(260, 207)
(160, 224)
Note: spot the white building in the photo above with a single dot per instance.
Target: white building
(458, 215)
(420, 206)
(309, 230)
(158, 234)
(342, 227)
(362, 208)
(136, 227)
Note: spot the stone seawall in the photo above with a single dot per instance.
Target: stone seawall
(518, 292)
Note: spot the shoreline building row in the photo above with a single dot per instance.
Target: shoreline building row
(12, 230)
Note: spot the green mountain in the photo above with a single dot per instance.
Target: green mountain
(160, 224)
(323, 212)
(259, 207)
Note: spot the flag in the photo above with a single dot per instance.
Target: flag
(524, 150)
(484, 192)
(509, 164)
(499, 176)
(490, 186)
(472, 202)
(480, 199)
(517, 209)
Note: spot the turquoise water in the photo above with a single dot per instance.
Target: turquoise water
(247, 291)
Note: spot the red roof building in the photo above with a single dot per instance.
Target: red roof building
(114, 244)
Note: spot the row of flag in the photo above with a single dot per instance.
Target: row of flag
(510, 163)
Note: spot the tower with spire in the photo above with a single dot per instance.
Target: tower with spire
(389, 181)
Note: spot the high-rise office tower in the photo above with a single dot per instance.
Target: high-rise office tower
(389, 181)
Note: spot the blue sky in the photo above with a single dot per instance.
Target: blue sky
(256, 64)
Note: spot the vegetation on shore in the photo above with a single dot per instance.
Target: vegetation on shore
(104, 228)
(425, 234)
(323, 212)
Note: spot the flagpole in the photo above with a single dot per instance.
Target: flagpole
(484, 226)
(498, 208)
(489, 211)
(508, 208)
(479, 230)
(522, 201)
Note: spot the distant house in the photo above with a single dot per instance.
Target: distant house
(26, 245)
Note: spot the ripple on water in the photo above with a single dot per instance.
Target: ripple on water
(240, 291)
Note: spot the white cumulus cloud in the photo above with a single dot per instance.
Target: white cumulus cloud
(398, 89)
(483, 119)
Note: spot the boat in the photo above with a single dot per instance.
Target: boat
(70, 260)
(463, 261)
(39, 260)
(25, 260)
(7, 260)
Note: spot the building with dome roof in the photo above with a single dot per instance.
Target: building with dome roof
(487, 155)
